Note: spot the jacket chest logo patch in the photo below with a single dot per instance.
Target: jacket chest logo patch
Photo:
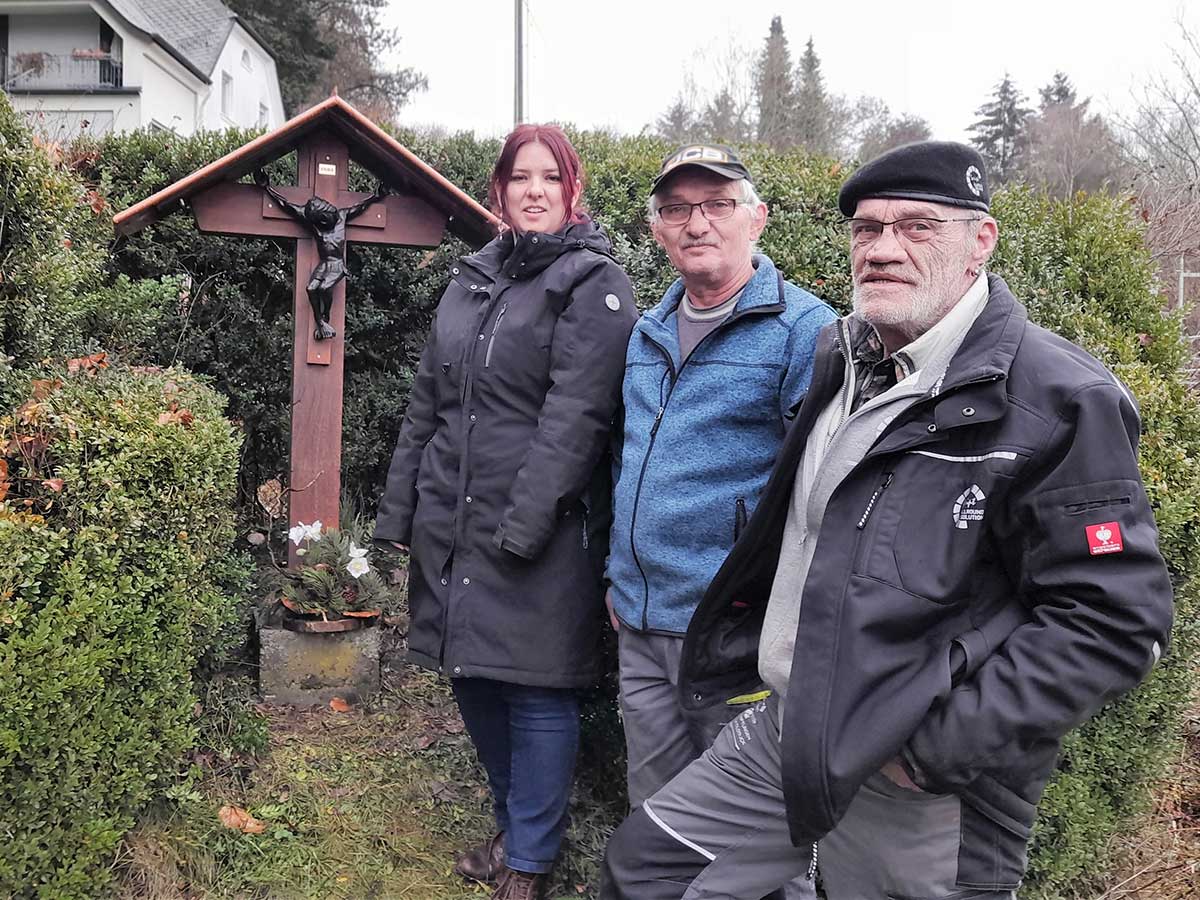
(968, 507)
(1104, 538)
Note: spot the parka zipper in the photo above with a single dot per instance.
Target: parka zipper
(862, 522)
(487, 357)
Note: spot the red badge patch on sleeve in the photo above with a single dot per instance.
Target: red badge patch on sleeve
(1104, 538)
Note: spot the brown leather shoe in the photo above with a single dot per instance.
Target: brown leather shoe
(515, 885)
(483, 863)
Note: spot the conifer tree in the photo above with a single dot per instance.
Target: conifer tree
(815, 113)
(776, 90)
(1059, 90)
(678, 124)
(1000, 132)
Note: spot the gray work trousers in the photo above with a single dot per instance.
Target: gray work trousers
(661, 741)
(718, 831)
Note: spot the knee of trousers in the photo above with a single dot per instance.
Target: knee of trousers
(643, 862)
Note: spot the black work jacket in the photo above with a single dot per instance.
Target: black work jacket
(500, 482)
(963, 607)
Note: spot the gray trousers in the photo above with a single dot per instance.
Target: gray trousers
(718, 831)
(661, 741)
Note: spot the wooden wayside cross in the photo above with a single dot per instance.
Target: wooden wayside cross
(325, 139)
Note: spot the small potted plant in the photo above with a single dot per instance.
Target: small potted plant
(335, 587)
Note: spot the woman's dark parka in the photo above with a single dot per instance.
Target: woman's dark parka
(500, 480)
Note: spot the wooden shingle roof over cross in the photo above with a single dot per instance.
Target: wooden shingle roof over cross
(370, 146)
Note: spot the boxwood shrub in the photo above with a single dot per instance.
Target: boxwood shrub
(114, 533)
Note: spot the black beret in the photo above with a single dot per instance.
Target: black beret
(937, 171)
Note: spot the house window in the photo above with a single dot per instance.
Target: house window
(226, 94)
(247, 64)
(264, 115)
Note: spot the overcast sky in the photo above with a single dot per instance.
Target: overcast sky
(618, 64)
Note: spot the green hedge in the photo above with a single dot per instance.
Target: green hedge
(1080, 265)
(115, 537)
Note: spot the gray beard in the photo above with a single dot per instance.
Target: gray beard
(923, 310)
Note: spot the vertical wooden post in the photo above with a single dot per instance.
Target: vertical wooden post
(316, 444)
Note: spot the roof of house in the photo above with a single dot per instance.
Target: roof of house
(194, 31)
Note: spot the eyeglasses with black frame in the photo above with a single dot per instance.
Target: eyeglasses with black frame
(914, 229)
(714, 210)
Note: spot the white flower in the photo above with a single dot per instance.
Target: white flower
(357, 552)
(358, 566)
(300, 532)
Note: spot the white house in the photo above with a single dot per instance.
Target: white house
(101, 65)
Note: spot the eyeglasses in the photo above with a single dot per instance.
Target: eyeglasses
(915, 229)
(714, 210)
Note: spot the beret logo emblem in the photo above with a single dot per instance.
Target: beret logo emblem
(974, 180)
(613, 302)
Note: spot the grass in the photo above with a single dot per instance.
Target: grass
(1161, 857)
(370, 803)
(377, 801)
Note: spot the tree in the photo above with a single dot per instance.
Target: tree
(1069, 148)
(1160, 143)
(1059, 90)
(880, 131)
(293, 33)
(325, 44)
(360, 41)
(724, 119)
(726, 115)
(817, 116)
(1000, 134)
(678, 124)
(775, 90)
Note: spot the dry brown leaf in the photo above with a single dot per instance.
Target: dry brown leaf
(337, 704)
(237, 819)
(270, 498)
(54, 484)
(44, 387)
(89, 365)
(174, 416)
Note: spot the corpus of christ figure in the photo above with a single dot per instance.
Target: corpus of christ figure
(328, 225)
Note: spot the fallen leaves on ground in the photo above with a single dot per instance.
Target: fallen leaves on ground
(237, 819)
(337, 704)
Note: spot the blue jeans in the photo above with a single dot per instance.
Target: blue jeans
(527, 739)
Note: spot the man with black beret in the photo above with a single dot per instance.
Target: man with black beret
(953, 564)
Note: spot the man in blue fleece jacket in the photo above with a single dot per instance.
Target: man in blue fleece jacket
(713, 377)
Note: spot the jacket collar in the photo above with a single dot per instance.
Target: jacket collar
(528, 254)
(987, 351)
(763, 293)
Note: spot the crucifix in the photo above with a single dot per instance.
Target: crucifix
(415, 212)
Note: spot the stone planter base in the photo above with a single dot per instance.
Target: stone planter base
(312, 669)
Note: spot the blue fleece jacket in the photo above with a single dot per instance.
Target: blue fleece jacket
(700, 440)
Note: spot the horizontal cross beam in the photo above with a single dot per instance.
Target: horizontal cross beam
(245, 209)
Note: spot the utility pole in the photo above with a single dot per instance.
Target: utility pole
(519, 76)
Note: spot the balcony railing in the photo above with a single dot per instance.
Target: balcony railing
(84, 71)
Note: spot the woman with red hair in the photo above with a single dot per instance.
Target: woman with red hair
(500, 485)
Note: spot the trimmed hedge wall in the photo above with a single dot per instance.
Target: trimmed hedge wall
(1080, 266)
